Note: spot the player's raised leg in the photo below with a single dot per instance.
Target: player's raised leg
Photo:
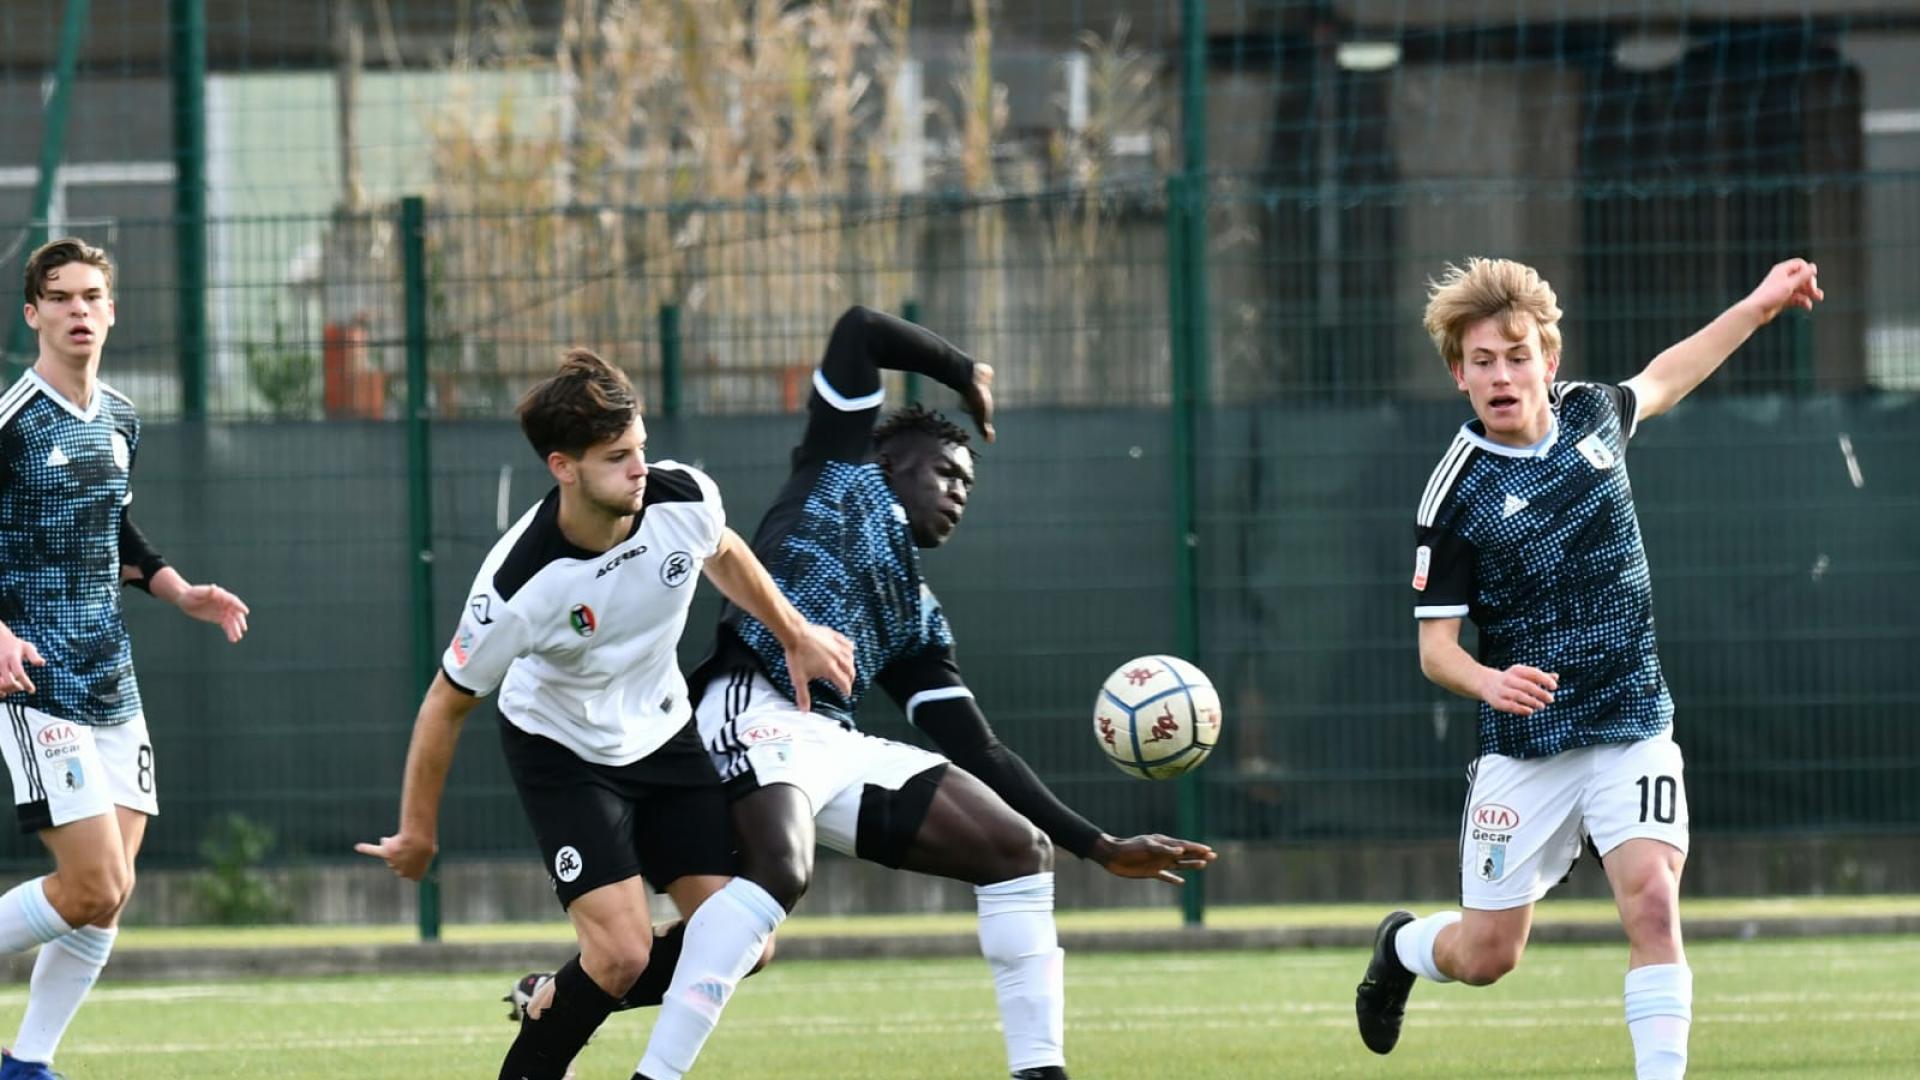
(970, 834)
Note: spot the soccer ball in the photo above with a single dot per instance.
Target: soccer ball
(1157, 717)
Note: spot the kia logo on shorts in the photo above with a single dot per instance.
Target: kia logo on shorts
(57, 734)
(1495, 816)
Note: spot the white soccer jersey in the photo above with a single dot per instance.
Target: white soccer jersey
(580, 643)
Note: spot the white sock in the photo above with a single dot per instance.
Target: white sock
(62, 975)
(1018, 938)
(1659, 1015)
(724, 940)
(26, 919)
(1414, 944)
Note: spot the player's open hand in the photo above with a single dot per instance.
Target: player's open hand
(406, 855)
(978, 397)
(211, 603)
(1520, 690)
(1152, 855)
(821, 653)
(15, 655)
(1794, 283)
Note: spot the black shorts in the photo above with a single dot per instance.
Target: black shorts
(662, 817)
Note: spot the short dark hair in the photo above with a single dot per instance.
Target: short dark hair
(55, 254)
(587, 401)
(918, 420)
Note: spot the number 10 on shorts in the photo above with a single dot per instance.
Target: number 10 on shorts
(1660, 798)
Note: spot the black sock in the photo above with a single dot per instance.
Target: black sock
(651, 987)
(545, 1047)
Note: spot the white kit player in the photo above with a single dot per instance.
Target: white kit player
(1528, 528)
(77, 748)
(574, 617)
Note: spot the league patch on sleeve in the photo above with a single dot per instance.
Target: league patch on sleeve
(1422, 561)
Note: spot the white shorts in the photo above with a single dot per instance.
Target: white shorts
(1527, 818)
(63, 771)
(758, 737)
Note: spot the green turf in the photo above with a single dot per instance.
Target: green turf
(1362, 915)
(1826, 1008)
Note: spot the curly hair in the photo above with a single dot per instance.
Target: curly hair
(917, 419)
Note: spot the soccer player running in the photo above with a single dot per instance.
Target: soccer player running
(843, 539)
(574, 616)
(1528, 528)
(78, 754)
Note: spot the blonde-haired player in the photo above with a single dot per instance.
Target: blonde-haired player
(1527, 527)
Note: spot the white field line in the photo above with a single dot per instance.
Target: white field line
(1176, 1020)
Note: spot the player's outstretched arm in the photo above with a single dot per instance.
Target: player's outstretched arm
(1674, 373)
(813, 652)
(436, 731)
(1520, 690)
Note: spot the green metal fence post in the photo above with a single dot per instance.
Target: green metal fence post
(413, 254)
(910, 311)
(53, 143)
(188, 22)
(670, 359)
(1187, 266)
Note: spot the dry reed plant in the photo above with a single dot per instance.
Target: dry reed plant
(736, 158)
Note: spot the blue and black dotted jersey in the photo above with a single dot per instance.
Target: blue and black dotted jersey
(63, 494)
(836, 539)
(849, 562)
(1540, 547)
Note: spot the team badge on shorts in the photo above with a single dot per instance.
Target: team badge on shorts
(1492, 863)
(567, 863)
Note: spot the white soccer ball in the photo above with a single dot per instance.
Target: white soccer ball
(1157, 717)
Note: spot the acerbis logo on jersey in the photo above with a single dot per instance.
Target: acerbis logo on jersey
(614, 563)
(582, 620)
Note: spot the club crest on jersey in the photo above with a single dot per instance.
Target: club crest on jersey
(1422, 561)
(676, 570)
(122, 453)
(582, 620)
(1596, 451)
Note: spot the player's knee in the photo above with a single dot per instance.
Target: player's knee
(784, 877)
(1486, 958)
(1650, 911)
(1021, 849)
(93, 894)
(614, 966)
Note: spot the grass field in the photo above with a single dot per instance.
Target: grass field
(1167, 917)
(1825, 1008)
